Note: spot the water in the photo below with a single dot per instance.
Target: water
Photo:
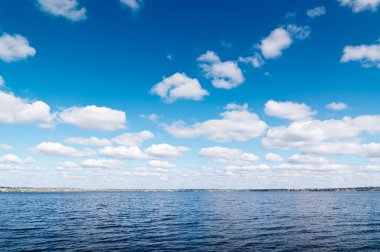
(190, 221)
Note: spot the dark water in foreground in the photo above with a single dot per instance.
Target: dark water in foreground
(190, 221)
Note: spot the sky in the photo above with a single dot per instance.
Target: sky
(173, 94)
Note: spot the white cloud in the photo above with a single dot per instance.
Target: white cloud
(161, 164)
(226, 75)
(289, 110)
(234, 106)
(64, 8)
(102, 163)
(316, 12)
(91, 141)
(256, 60)
(361, 5)
(281, 38)
(14, 159)
(133, 139)
(123, 152)
(5, 147)
(337, 106)
(179, 86)
(273, 157)
(93, 117)
(16, 110)
(132, 4)
(165, 150)
(367, 55)
(152, 117)
(229, 156)
(235, 125)
(14, 48)
(307, 160)
(58, 149)
(2, 82)
(68, 165)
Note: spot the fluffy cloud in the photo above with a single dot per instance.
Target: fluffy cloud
(132, 4)
(123, 152)
(256, 60)
(272, 157)
(226, 75)
(229, 156)
(14, 48)
(161, 164)
(14, 159)
(289, 110)
(68, 165)
(337, 106)
(5, 147)
(64, 8)
(235, 125)
(307, 159)
(16, 110)
(2, 82)
(165, 150)
(58, 149)
(102, 163)
(91, 141)
(133, 139)
(93, 117)
(281, 38)
(361, 5)
(179, 86)
(304, 133)
(316, 12)
(367, 55)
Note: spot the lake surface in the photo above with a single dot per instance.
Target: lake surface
(190, 221)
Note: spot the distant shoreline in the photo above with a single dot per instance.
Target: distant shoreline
(46, 189)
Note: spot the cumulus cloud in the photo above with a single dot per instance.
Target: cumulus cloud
(133, 139)
(229, 156)
(58, 149)
(256, 60)
(367, 55)
(179, 86)
(361, 5)
(316, 12)
(90, 141)
(102, 163)
(165, 150)
(273, 157)
(5, 147)
(16, 110)
(14, 48)
(123, 152)
(307, 159)
(226, 75)
(235, 125)
(63, 8)
(281, 38)
(289, 110)
(68, 165)
(93, 117)
(14, 159)
(337, 106)
(161, 164)
(132, 4)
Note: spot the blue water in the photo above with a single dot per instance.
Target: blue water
(190, 221)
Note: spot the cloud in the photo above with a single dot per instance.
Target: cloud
(2, 82)
(179, 86)
(281, 38)
(308, 160)
(64, 8)
(229, 156)
(68, 165)
(304, 133)
(16, 110)
(316, 12)
(272, 157)
(93, 117)
(235, 125)
(58, 149)
(226, 75)
(133, 139)
(165, 150)
(14, 159)
(361, 5)
(102, 163)
(152, 117)
(5, 147)
(14, 48)
(337, 106)
(256, 60)
(288, 110)
(123, 152)
(161, 164)
(367, 55)
(132, 4)
(91, 141)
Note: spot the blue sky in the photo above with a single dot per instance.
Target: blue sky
(189, 94)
